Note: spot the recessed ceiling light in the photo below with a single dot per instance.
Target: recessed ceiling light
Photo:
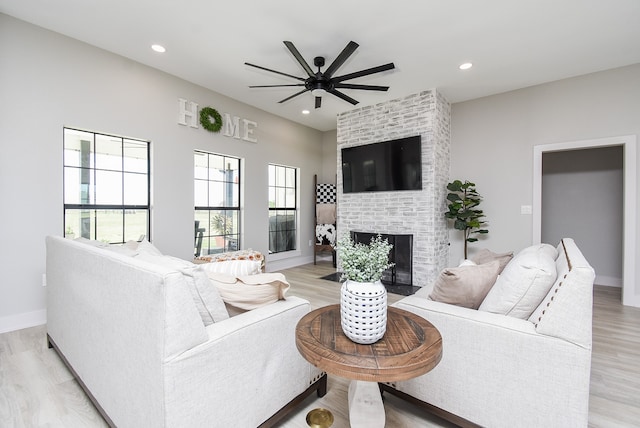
(158, 48)
(465, 66)
(305, 112)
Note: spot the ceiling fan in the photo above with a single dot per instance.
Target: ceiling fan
(320, 83)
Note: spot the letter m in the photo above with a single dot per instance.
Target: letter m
(231, 126)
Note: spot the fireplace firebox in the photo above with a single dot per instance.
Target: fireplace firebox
(401, 254)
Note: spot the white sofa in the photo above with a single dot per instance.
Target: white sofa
(501, 371)
(135, 340)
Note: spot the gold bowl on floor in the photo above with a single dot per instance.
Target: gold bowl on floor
(319, 418)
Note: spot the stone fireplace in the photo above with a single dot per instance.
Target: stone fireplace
(419, 213)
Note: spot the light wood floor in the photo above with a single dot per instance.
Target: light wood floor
(36, 390)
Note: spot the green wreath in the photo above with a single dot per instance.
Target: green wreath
(205, 119)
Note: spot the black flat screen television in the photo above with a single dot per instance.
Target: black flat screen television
(381, 167)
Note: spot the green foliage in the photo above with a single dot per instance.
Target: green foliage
(206, 114)
(222, 224)
(361, 262)
(463, 200)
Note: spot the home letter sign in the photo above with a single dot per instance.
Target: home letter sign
(233, 126)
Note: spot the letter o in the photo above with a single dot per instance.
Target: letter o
(205, 119)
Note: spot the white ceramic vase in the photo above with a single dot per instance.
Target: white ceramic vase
(363, 311)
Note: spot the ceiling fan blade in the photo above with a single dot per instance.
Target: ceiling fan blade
(340, 59)
(343, 96)
(276, 86)
(292, 96)
(299, 58)
(318, 102)
(365, 87)
(274, 71)
(366, 72)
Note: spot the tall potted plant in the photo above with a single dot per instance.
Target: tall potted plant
(463, 201)
(363, 298)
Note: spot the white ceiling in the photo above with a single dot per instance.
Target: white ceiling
(512, 43)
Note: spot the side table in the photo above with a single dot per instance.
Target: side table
(411, 346)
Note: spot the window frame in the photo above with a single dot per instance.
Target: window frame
(93, 169)
(292, 209)
(236, 209)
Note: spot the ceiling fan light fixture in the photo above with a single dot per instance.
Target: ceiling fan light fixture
(322, 83)
(318, 92)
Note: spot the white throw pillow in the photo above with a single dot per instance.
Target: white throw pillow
(143, 246)
(546, 249)
(120, 249)
(92, 242)
(234, 267)
(206, 297)
(523, 283)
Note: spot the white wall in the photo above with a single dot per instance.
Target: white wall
(329, 157)
(493, 140)
(48, 81)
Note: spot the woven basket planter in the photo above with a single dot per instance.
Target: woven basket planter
(363, 311)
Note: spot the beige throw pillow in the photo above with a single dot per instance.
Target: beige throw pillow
(485, 256)
(465, 286)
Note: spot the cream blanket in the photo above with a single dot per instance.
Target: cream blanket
(250, 291)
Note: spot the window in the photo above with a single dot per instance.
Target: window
(283, 195)
(217, 203)
(106, 187)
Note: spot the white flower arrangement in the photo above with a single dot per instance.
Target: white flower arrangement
(361, 262)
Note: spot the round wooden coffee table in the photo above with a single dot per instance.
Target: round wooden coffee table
(411, 346)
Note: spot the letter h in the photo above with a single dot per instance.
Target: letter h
(191, 113)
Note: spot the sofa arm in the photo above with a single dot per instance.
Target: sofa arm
(425, 308)
(499, 371)
(247, 370)
(292, 307)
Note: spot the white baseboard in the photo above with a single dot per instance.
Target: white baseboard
(609, 281)
(277, 265)
(24, 320)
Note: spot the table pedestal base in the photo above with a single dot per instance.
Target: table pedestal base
(365, 405)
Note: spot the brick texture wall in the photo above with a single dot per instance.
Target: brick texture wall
(420, 213)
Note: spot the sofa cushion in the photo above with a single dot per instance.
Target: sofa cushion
(250, 291)
(124, 249)
(206, 297)
(485, 256)
(523, 283)
(92, 242)
(465, 285)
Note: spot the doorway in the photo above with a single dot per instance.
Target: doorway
(628, 146)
